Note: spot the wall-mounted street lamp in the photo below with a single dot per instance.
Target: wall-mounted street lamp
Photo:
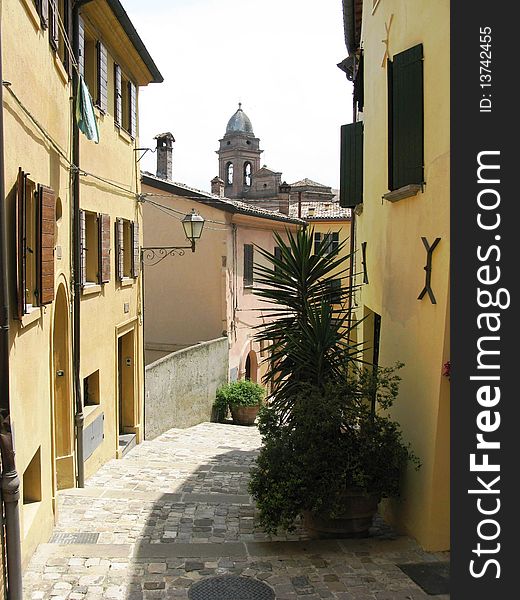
(193, 224)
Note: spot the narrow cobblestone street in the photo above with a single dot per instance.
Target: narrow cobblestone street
(176, 510)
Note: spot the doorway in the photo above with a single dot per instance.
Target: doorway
(251, 367)
(62, 433)
(127, 412)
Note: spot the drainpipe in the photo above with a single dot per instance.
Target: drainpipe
(10, 478)
(79, 417)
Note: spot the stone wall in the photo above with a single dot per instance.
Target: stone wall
(180, 388)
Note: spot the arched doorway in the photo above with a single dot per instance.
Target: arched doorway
(251, 367)
(63, 445)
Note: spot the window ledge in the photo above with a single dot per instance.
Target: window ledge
(123, 134)
(126, 282)
(91, 288)
(406, 191)
(60, 68)
(33, 14)
(31, 317)
(90, 412)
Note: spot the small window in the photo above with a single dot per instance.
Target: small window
(330, 242)
(91, 248)
(248, 265)
(335, 291)
(59, 24)
(32, 480)
(91, 389)
(229, 173)
(90, 65)
(128, 249)
(30, 249)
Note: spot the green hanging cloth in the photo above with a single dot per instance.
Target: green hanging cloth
(85, 112)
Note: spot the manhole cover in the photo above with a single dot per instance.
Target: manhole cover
(74, 538)
(230, 587)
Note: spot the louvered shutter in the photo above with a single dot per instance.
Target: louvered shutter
(67, 24)
(54, 32)
(119, 249)
(408, 118)
(104, 248)
(102, 76)
(135, 248)
(118, 101)
(20, 244)
(81, 34)
(359, 84)
(82, 248)
(47, 215)
(43, 10)
(390, 82)
(248, 264)
(351, 167)
(133, 108)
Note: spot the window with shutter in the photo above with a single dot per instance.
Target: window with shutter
(351, 165)
(43, 10)
(54, 31)
(136, 251)
(20, 243)
(406, 120)
(119, 249)
(118, 98)
(82, 248)
(328, 241)
(248, 265)
(104, 248)
(132, 90)
(47, 215)
(102, 77)
(81, 50)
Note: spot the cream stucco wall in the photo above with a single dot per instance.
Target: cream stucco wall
(39, 80)
(412, 331)
(199, 296)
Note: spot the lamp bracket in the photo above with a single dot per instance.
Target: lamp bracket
(153, 256)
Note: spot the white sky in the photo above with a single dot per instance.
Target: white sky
(277, 57)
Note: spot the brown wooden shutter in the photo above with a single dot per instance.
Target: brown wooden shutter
(104, 248)
(248, 264)
(47, 215)
(20, 244)
(135, 247)
(54, 32)
(133, 109)
(82, 248)
(102, 73)
(118, 102)
(43, 10)
(119, 249)
(81, 33)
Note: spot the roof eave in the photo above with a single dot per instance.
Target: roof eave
(133, 36)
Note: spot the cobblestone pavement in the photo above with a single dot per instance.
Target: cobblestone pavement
(176, 509)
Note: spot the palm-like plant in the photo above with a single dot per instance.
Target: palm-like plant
(306, 333)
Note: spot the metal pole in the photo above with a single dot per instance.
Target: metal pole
(10, 479)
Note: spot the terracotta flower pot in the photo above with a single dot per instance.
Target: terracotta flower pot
(244, 415)
(353, 521)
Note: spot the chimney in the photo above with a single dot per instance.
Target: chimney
(217, 187)
(284, 196)
(164, 155)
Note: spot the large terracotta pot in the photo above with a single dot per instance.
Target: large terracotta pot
(354, 521)
(244, 415)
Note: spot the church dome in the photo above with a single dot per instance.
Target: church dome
(239, 122)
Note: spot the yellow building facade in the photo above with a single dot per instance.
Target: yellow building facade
(396, 174)
(58, 209)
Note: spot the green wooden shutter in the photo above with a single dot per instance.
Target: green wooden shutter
(408, 118)
(351, 168)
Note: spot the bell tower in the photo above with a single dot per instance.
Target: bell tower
(238, 155)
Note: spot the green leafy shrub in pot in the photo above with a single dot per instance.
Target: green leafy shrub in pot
(333, 443)
(243, 393)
